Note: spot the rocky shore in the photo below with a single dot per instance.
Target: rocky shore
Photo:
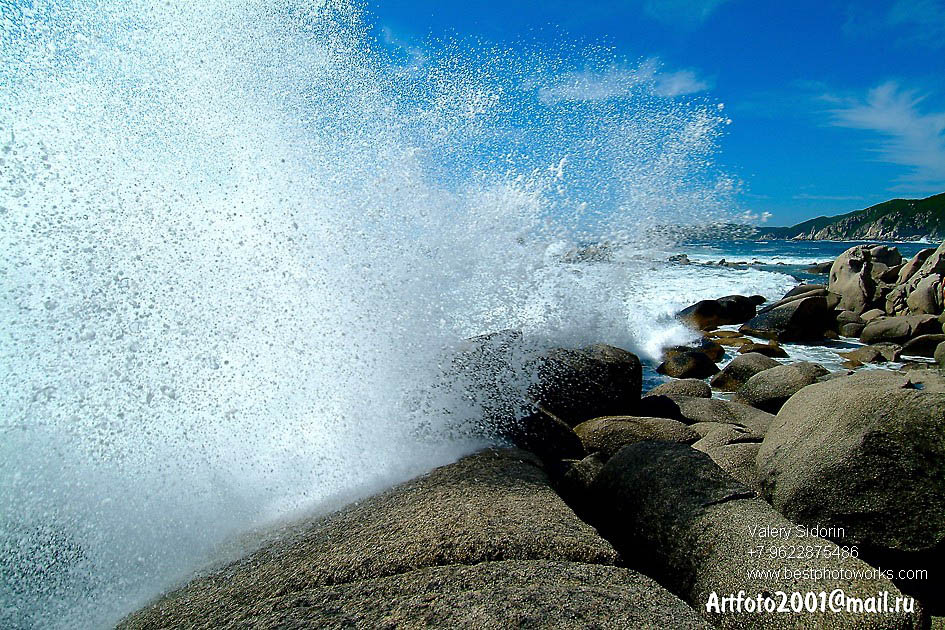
(746, 474)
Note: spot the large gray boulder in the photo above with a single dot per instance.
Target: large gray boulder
(770, 389)
(459, 546)
(915, 263)
(804, 319)
(861, 276)
(672, 511)
(865, 452)
(939, 355)
(899, 329)
(609, 435)
(926, 296)
(740, 369)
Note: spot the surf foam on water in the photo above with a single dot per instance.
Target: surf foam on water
(235, 240)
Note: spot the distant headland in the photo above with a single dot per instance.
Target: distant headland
(893, 220)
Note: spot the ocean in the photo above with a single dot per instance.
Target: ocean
(238, 240)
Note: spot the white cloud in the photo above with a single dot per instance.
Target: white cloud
(681, 12)
(618, 82)
(910, 137)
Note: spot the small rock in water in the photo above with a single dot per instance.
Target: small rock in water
(923, 345)
(804, 319)
(823, 267)
(768, 349)
(689, 364)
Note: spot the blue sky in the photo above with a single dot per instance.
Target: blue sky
(836, 105)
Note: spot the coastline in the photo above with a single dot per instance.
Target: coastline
(676, 491)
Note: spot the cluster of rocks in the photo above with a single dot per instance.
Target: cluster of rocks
(891, 305)
(887, 301)
(619, 508)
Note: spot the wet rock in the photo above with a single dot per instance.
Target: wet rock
(773, 350)
(923, 345)
(608, 435)
(577, 385)
(574, 485)
(801, 289)
(734, 342)
(899, 329)
(794, 297)
(770, 389)
(689, 364)
(722, 334)
(685, 386)
(740, 369)
(670, 510)
(710, 347)
(801, 320)
(709, 314)
(546, 436)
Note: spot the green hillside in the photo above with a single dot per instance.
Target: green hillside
(896, 219)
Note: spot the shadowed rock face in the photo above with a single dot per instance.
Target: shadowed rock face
(577, 385)
(803, 319)
(671, 510)
(459, 529)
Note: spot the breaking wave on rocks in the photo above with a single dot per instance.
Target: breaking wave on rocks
(236, 239)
